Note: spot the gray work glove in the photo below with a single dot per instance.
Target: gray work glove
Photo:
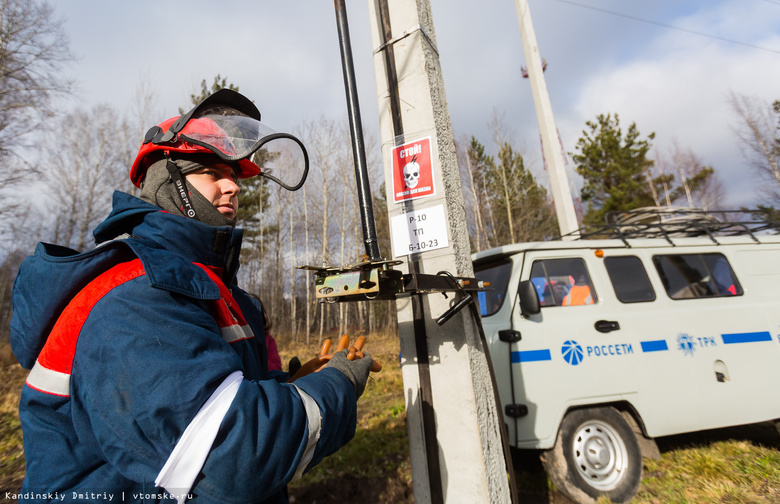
(356, 370)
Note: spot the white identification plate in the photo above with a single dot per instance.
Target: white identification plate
(419, 231)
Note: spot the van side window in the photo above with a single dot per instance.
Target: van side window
(687, 276)
(497, 273)
(629, 279)
(562, 282)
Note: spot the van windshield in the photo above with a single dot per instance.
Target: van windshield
(497, 273)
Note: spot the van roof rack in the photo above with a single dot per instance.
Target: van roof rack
(679, 222)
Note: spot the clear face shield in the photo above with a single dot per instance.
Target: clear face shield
(233, 135)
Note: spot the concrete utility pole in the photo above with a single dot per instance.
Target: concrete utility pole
(454, 426)
(564, 206)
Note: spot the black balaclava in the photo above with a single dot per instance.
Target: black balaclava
(158, 189)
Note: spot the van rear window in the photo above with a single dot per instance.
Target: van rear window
(687, 276)
(629, 279)
(497, 273)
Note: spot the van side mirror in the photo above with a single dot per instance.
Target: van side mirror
(529, 300)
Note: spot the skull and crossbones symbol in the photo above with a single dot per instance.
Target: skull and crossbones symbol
(412, 173)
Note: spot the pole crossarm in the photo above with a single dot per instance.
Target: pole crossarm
(377, 280)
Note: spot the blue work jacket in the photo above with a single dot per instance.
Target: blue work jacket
(107, 403)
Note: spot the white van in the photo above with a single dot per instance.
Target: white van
(598, 346)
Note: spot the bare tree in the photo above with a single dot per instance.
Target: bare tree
(477, 165)
(82, 166)
(517, 207)
(686, 181)
(347, 193)
(500, 133)
(321, 138)
(9, 267)
(758, 131)
(473, 203)
(276, 243)
(33, 50)
(143, 113)
(319, 223)
(660, 186)
(308, 261)
(24, 232)
(293, 256)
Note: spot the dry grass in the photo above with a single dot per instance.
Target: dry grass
(12, 466)
(738, 465)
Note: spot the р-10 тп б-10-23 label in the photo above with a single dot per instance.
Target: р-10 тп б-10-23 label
(419, 231)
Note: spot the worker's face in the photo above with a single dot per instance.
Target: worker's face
(217, 183)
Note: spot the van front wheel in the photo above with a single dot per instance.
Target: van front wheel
(596, 453)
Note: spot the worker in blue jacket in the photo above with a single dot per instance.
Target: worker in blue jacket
(149, 380)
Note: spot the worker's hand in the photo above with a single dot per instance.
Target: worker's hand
(320, 361)
(354, 352)
(356, 370)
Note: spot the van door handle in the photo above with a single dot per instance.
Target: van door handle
(605, 326)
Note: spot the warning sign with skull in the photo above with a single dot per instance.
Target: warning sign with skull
(412, 170)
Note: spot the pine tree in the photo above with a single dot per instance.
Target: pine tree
(518, 208)
(614, 168)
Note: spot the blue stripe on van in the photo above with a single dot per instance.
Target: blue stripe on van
(531, 356)
(751, 337)
(654, 346)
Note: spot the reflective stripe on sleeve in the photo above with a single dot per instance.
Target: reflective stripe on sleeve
(188, 456)
(235, 332)
(49, 380)
(315, 423)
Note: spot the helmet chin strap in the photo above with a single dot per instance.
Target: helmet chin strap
(181, 187)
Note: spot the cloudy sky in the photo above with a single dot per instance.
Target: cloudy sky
(667, 65)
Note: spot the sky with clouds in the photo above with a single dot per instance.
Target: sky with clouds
(668, 65)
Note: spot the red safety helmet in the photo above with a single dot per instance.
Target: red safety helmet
(151, 152)
(226, 124)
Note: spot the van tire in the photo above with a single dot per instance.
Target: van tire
(596, 453)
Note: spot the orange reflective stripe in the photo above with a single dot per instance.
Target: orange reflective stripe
(232, 324)
(51, 372)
